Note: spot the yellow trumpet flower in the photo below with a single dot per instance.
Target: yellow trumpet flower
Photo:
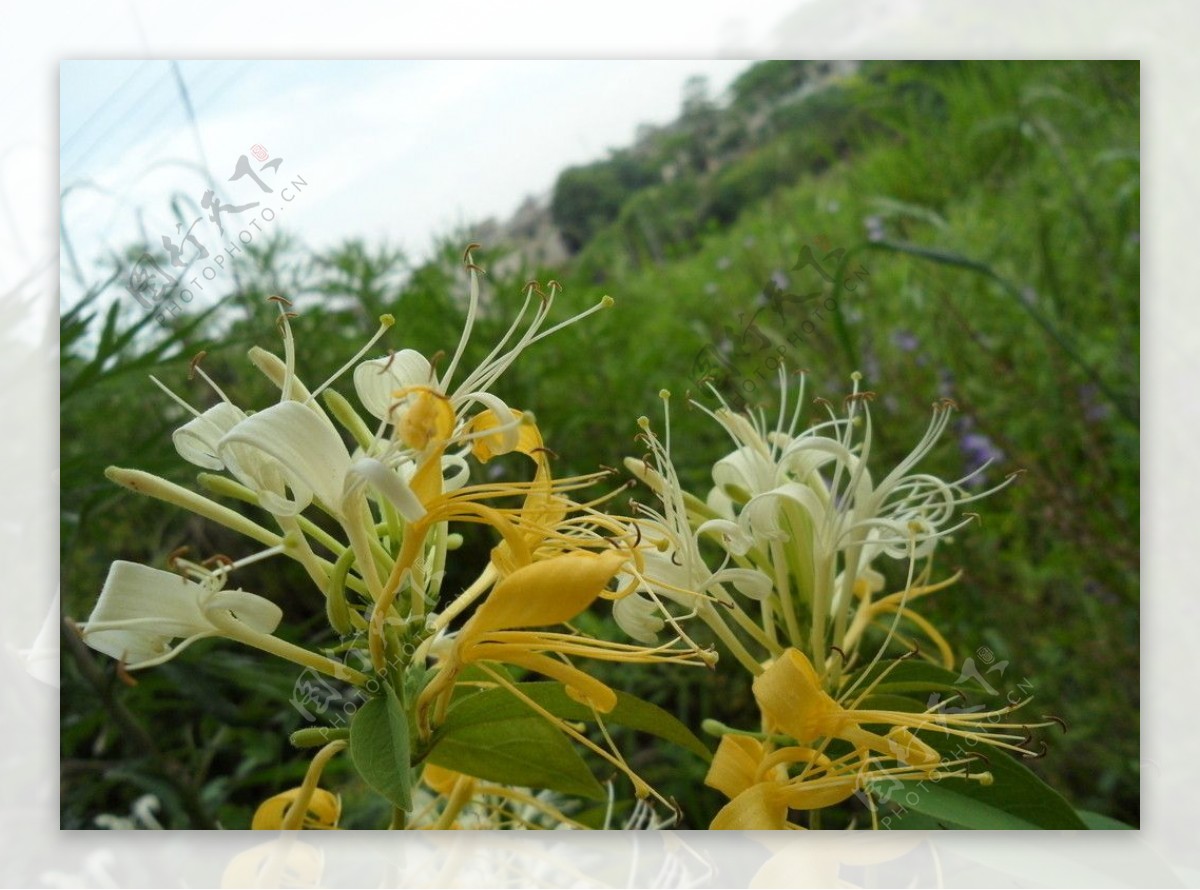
(792, 701)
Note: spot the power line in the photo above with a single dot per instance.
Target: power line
(103, 105)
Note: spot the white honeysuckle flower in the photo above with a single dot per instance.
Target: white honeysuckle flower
(142, 611)
(288, 447)
(196, 441)
(672, 566)
(426, 409)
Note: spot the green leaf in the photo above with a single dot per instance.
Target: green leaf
(380, 748)
(1100, 822)
(1016, 799)
(630, 711)
(496, 737)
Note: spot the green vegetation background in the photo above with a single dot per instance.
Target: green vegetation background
(985, 217)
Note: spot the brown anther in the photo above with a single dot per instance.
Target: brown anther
(553, 284)
(945, 404)
(821, 400)
(838, 650)
(218, 559)
(911, 653)
(865, 396)
(123, 674)
(433, 363)
(388, 363)
(542, 449)
(1059, 720)
(1039, 754)
(476, 268)
(979, 755)
(279, 299)
(674, 554)
(638, 540)
(195, 363)
(175, 555)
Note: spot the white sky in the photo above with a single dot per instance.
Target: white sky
(395, 150)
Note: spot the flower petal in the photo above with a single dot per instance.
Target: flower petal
(548, 592)
(378, 380)
(196, 441)
(288, 446)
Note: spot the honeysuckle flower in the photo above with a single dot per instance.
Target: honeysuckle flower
(792, 700)
(322, 812)
(428, 410)
(460, 801)
(671, 564)
(543, 594)
(820, 519)
(142, 611)
(286, 448)
(307, 806)
(756, 777)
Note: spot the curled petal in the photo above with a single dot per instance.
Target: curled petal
(378, 380)
(734, 767)
(142, 610)
(288, 446)
(759, 808)
(638, 617)
(196, 441)
(750, 583)
(391, 485)
(324, 810)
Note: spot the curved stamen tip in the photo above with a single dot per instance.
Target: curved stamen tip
(195, 363)
(1041, 752)
(467, 251)
(1059, 720)
(278, 299)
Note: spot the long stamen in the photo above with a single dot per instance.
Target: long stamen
(472, 307)
(385, 322)
(176, 399)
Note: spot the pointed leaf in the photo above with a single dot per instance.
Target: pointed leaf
(496, 737)
(380, 748)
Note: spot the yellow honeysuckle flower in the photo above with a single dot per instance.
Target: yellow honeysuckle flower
(760, 793)
(544, 593)
(323, 811)
(754, 775)
(792, 701)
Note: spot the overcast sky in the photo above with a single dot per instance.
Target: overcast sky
(396, 150)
